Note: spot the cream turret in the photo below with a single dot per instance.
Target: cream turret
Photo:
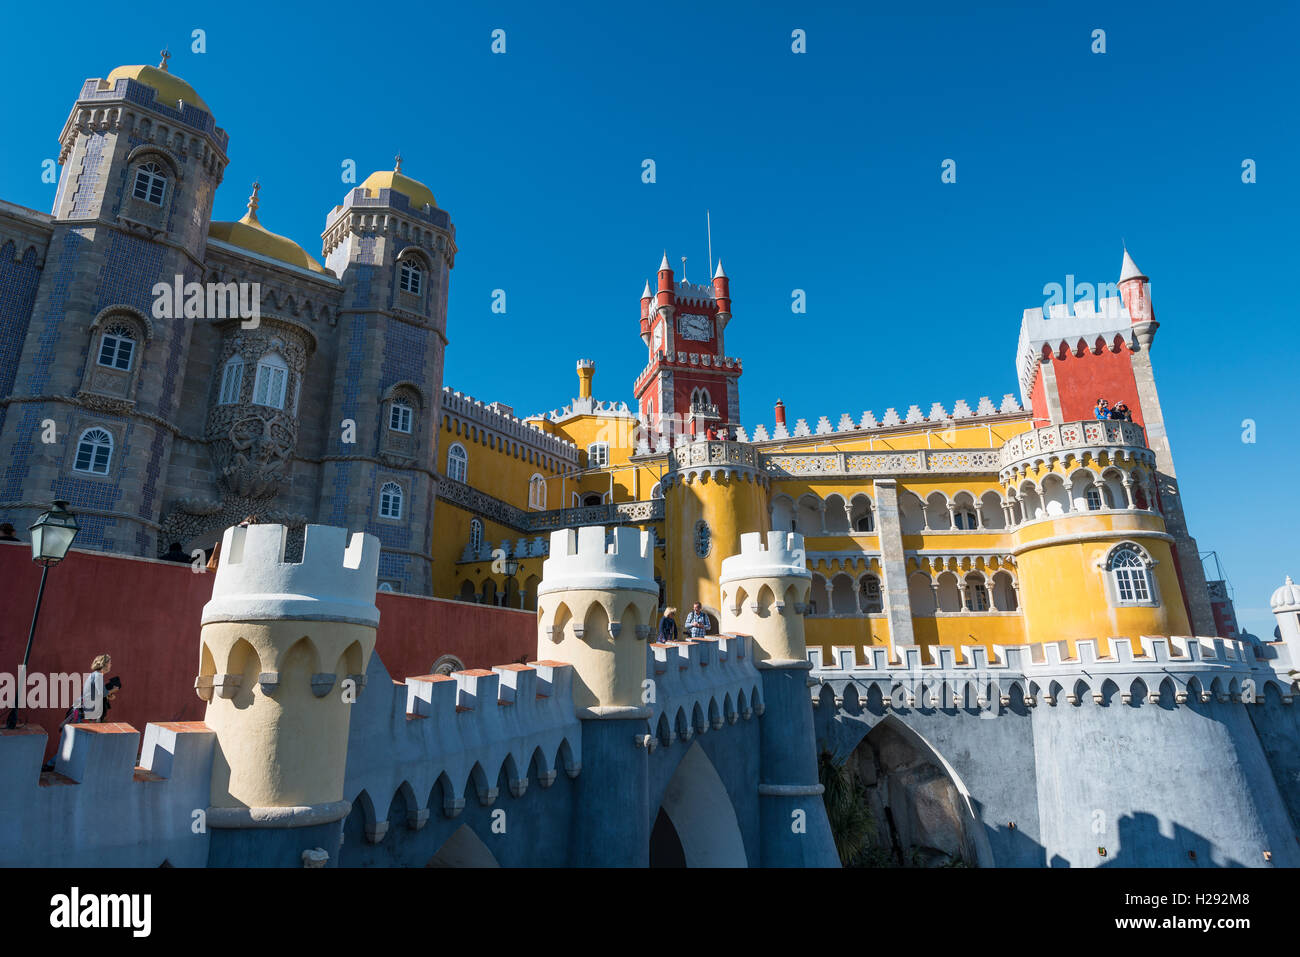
(283, 655)
(764, 594)
(595, 608)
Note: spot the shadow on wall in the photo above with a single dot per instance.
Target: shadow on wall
(1140, 844)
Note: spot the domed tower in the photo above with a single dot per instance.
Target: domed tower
(141, 157)
(393, 250)
(283, 655)
(714, 491)
(1285, 604)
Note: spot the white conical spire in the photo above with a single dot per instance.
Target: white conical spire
(718, 273)
(646, 293)
(1129, 269)
(664, 265)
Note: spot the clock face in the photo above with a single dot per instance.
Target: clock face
(699, 328)
(659, 336)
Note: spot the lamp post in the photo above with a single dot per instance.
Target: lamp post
(511, 567)
(52, 536)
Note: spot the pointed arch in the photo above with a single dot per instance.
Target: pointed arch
(463, 848)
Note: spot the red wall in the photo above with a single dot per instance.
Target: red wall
(146, 615)
(1081, 380)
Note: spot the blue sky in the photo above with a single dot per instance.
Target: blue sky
(822, 171)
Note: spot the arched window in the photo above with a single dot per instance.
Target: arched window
(232, 381)
(656, 491)
(1130, 569)
(410, 277)
(475, 535)
(271, 382)
(977, 594)
(400, 417)
(390, 500)
(94, 452)
(457, 463)
(1094, 498)
(537, 491)
(150, 184)
(117, 347)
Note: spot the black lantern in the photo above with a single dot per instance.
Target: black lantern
(52, 535)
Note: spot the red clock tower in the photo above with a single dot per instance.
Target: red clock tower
(690, 384)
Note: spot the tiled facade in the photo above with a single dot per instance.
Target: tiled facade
(184, 464)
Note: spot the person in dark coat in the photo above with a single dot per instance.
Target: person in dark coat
(668, 625)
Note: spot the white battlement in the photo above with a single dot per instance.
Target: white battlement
(335, 581)
(701, 685)
(1062, 326)
(98, 808)
(589, 558)
(769, 554)
(462, 729)
(1209, 668)
(846, 425)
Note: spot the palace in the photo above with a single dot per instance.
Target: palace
(945, 526)
(953, 604)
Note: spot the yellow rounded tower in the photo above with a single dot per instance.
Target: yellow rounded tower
(714, 492)
(1094, 557)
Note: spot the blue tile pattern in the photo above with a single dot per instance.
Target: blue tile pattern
(18, 284)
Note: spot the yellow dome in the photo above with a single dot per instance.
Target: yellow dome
(169, 88)
(419, 194)
(250, 234)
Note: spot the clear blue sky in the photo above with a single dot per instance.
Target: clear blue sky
(822, 172)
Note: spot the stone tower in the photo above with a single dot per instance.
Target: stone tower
(595, 610)
(393, 250)
(764, 595)
(283, 656)
(141, 159)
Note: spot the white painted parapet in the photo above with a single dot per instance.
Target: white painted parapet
(98, 808)
(1044, 673)
(700, 685)
(460, 730)
(335, 581)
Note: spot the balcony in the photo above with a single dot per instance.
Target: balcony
(1096, 435)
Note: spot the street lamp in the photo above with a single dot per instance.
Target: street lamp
(511, 566)
(52, 536)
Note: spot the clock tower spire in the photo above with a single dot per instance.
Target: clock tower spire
(689, 385)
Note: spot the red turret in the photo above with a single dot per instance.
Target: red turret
(1133, 289)
(722, 293)
(779, 412)
(666, 296)
(646, 298)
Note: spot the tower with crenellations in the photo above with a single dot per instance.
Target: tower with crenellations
(283, 655)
